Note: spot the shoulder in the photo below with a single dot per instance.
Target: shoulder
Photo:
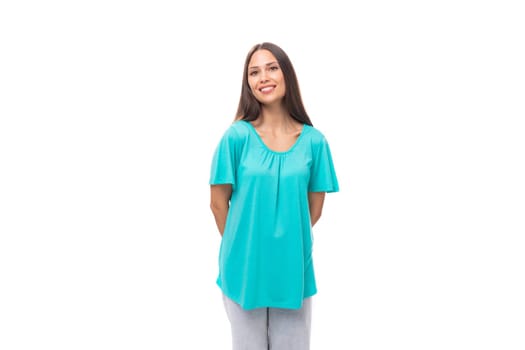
(315, 135)
(238, 129)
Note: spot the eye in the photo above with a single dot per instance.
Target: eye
(274, 68)
(253, 73)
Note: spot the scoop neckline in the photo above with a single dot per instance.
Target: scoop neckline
(259, 138)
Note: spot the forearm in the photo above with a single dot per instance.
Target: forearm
(316, 201)
(314, 217)
(220, 213)
(220, 204)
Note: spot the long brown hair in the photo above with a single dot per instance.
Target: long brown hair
(249, 108)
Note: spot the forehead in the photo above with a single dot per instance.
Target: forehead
(261, 58)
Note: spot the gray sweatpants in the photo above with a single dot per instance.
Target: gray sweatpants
(269, 328)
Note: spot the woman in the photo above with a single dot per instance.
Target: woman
(269, 175)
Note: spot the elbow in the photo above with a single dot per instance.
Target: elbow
(214, 207)
(218, 206)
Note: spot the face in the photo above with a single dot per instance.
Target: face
(266, 78)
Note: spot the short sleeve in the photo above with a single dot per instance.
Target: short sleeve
(322, 173)
(225, 159)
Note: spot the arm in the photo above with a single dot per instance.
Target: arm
(315, 202)
(220, 204)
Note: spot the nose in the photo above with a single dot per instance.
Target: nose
(263, 77)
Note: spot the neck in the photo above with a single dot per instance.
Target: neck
(274, 117)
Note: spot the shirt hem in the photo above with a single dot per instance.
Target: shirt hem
(267, 305)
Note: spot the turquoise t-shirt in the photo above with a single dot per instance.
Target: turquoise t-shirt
(265, 258)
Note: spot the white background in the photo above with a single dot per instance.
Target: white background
(110, 111)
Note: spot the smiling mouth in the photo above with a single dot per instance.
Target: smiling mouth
(267, 89)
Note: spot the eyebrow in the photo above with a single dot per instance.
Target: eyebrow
(267, 64)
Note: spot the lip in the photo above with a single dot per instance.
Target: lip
(267, 89)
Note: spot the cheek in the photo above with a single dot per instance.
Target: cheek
(282, 86)
(280, 79)
(251, 84)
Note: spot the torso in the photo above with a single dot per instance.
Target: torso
(265, 258)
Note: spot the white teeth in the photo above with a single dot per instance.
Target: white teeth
(267, 89)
